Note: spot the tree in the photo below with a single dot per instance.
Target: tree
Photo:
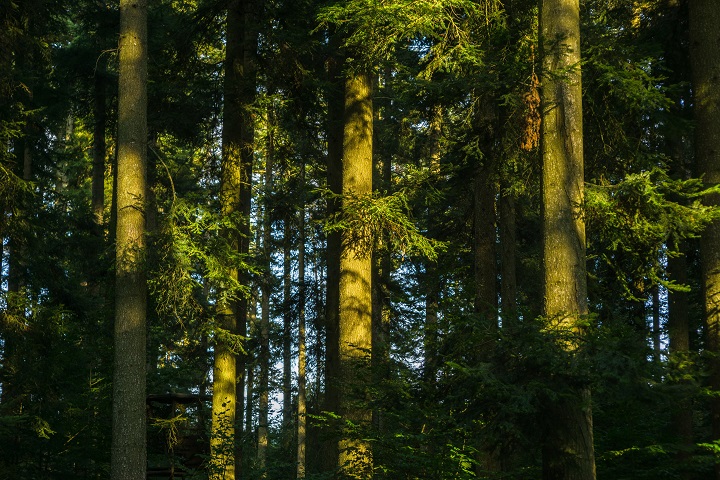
(128, 442)
(235, 197)
(355, 309)
(302, 343)
(705, 62)
(568, 447)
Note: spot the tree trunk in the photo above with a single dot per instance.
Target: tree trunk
(381, 261)
(508, 276)
(485, 265)
(484, 248)
(568, 451)
(332, 302)
(355, 326)
(287, 331)
(250, 367)
(128, 450)
(705, 61)
(247, 92)
(264, 353)
(224, 364)
(430, 279)
(235, 196)
(301, 401)
(679, 336)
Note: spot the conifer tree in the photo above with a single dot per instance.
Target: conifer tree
(355, 306)
(568, 444)
(705, 61)
(128, 456)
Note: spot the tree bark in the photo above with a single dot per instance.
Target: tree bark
(381, 261)
(264, 353)
(484, 234)
(355, 312)
(128, 450)
(235, 188)
(287, 330)
(332, 302)
(302, 358)
(568, 451)
(508, 275)
(430, 278)
(705, 62)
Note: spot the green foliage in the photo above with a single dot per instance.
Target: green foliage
(193, 252)
(640, 219)
(448, 32)
(373, 223)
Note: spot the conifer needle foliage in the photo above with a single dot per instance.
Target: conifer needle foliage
(376, 222)
(642, 218)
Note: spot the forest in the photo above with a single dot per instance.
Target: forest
(355, 239)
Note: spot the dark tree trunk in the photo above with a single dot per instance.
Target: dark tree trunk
(705, 60)
(332, 303)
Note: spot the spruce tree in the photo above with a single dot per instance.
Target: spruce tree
(128, 456)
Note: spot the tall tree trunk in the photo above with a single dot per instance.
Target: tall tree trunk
(264, 353)
(485, 265)
(250, 366)
(223, 435)
(508, 276)
(678, 327)
(287, 331)
(484, 248)
(355, 325)
(235, 197)
(568, 451)
(381, 262)
(302, 359)
(247, 92)
(332, 302)
(128, 450)
(705, 61)
(431, 282)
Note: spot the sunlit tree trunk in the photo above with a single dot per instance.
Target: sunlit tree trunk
(705, 61)
(224, 398)
(302, 356)
(235, 190)
(568, 451)
(128, 449)
(355, 319)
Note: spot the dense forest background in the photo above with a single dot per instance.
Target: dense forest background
(345, 265)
